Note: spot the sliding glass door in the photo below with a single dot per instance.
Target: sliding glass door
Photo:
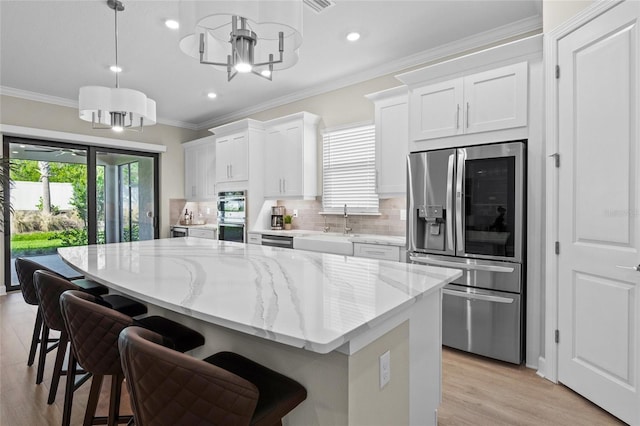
(66, 194)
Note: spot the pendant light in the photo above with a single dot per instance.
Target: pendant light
(116, 108)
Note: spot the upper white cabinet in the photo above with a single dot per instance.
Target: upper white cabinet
(392, 140)
(480, 102)
(199, 169)
(291, 164)
(232, 149)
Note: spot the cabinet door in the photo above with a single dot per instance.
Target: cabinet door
(272, 166)
(392, 145)
(209, 171)
(223, 159)
(190, 173)
(291, 160)
(436, 110)
(496, 99)
(239, 167)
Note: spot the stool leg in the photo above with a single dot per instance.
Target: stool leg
(92, 403)
(68, 391)
(114, 402)
(37, 328)
(57, 368)
(43, 353)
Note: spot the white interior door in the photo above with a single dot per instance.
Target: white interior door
(599, 211)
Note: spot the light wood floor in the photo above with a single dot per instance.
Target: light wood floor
(476, 391)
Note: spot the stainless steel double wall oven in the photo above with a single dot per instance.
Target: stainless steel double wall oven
(466, 210)
(232, 216)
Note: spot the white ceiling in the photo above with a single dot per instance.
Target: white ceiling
(49, 49)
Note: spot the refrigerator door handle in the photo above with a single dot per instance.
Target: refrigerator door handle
(449, 217)
(475, 296)
(461, 265)
(459, 181)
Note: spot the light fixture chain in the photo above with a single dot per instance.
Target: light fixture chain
(115, 9)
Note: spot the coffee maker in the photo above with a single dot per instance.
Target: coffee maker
(277, 217)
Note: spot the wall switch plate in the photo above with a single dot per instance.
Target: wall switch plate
(403, 214)
(385, 369)
(295, 212)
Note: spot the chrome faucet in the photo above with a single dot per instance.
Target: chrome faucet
(346, 228)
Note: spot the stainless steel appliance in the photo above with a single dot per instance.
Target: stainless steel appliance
(277, 217)
(232, 216)
(179, 231)
(277, 241)
(466, 210)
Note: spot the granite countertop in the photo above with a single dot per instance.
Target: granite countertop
(304, 299)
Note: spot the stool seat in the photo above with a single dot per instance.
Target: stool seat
(278, 393)
(123, 305)
(90, 286)
(175, 335)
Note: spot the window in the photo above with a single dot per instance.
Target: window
(349, 170)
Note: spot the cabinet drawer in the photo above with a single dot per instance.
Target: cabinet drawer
(203, 233)
(254, 239)
(376, 251)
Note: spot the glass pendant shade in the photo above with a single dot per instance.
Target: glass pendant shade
(265, 19)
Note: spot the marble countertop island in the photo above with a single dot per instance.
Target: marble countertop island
(307, 300)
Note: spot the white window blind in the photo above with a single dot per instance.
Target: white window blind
(349, 170)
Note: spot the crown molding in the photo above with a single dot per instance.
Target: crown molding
(69, 103)
(513, 29)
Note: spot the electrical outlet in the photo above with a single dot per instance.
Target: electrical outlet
(295, 212)
(403, 214)
(385, 369)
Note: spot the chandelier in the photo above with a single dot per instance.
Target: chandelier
(257, 36)
(116, 108)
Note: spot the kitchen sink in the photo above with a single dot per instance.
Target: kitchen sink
(326, 243)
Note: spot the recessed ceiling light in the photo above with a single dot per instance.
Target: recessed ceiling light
(265, 73)
(115, 68)
(353, 36)
(172, 23)
(212, 95)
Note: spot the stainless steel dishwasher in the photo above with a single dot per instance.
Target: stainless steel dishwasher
(277, 241)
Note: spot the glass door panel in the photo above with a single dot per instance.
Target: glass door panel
(126, 203)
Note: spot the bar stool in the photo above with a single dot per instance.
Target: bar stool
(49, 286)
(93, 330)
(169, 388)
(25, 269)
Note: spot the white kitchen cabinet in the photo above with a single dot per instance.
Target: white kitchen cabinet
(199, 169)
(392, 140)
(232, 158)
(480, 102)
(254, 238)
(291, 157)
(377, 251)
(207, 233)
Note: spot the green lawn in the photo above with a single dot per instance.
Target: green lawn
(34, 243)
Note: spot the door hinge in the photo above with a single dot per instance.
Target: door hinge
(557, 71)
(557, 336)
(556, 157)
(557, 247)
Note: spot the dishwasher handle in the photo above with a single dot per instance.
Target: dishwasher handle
(470, 266)
(476, 296)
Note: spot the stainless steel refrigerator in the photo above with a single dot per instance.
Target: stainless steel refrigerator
(466, 210)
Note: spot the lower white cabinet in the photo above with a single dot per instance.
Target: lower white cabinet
(377, 251)
(208, 233)
(253, 238)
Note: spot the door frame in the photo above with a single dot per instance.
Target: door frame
(548, 364)
(75, 139)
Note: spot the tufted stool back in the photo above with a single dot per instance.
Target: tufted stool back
(25, 269)
(169, 388)
(49, 287)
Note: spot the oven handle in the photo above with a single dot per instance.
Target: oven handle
(231, 225)
(474, 296)
(470, 266)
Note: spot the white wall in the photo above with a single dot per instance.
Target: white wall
(555, 12)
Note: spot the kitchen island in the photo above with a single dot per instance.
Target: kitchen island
(322, 319)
